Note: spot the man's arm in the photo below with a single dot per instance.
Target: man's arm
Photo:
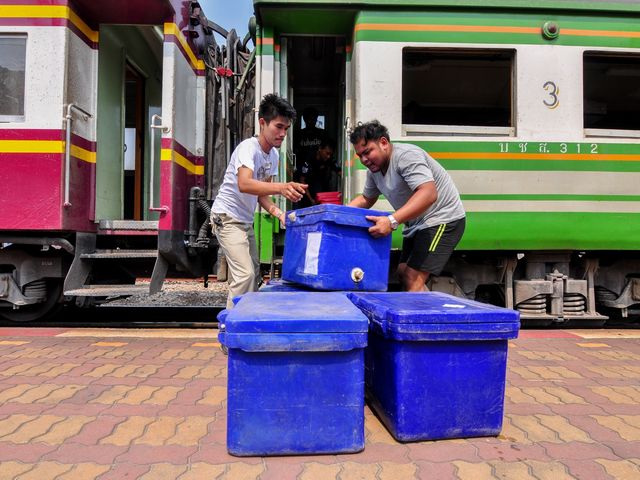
(266, 203)
(363, 202)
(247, 184)
(307, 193)
(423, 197)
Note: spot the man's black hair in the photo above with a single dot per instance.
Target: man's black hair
(372, 130)
(310, 116)
(273, 106)
(327, 142)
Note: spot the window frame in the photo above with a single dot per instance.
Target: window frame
(18, 118)
(465, 130)
(605, 132)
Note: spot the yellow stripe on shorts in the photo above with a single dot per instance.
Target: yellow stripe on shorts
(437, 237)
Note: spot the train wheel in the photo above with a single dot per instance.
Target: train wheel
(38, 311)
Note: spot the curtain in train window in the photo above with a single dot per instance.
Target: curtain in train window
(611, 91)
(466, 90)
(12, 63)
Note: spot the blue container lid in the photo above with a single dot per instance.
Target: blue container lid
(340, 214)
(280, 285)
(295, 312)
(406, 315)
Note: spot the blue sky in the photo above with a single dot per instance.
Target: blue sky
(229, 13)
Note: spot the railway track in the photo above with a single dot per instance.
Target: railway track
(130, 317)
(108, 316)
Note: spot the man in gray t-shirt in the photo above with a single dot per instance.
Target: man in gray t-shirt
(424, 198)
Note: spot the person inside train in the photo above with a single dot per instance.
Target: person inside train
(247, 181)
(319, 172)
(309, 138)
(423, 196)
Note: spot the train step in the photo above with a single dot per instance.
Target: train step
(107, 290)
(120, 254)
(128, 227)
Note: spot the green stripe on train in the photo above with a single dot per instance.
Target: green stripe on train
(593, 35)
(552, 197)
(551, 230)
(529, 147)
(534, 165)
(266, 33)
(594, 5)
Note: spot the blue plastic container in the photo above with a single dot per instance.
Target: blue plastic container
(296, 374)
(328, 247)
(436, 364)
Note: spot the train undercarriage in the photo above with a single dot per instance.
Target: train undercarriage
(549, 288)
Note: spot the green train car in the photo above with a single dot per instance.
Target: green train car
(533, 108)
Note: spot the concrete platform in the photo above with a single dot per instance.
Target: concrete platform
(150, 404)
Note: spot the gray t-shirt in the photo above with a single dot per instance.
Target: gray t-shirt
(410, 167)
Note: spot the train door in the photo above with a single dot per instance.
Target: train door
(315, 70)
(129, 94)
(133, 144)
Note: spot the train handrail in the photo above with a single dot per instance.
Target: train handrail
(67, 147)
(348, 130)
(162, 209)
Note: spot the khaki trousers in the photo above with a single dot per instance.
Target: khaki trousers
(238, 244)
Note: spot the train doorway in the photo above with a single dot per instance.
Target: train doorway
(315, 73)
(129, 94)
(133, 144)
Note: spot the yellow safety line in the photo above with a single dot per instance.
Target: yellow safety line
(172, 29)
(45, 146)
(167, 155)
(83, 27)
(48, 11)
(83, 154)
(110, 333)
(31, 146)
(190, 166)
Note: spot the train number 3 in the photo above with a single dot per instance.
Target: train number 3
(552, 91)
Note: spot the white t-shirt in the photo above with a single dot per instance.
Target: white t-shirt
(230, 200)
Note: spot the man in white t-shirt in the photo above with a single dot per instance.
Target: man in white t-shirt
(247, 181)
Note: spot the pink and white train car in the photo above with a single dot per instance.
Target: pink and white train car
(102, 138)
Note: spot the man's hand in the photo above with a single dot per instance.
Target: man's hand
(382, 226)
(293, 190)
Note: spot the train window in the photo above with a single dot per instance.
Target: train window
(466, 92)
(611, 94)
(12, 61)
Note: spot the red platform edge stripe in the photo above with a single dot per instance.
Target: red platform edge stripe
(20, 332)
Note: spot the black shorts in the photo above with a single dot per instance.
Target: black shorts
(429, 249)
